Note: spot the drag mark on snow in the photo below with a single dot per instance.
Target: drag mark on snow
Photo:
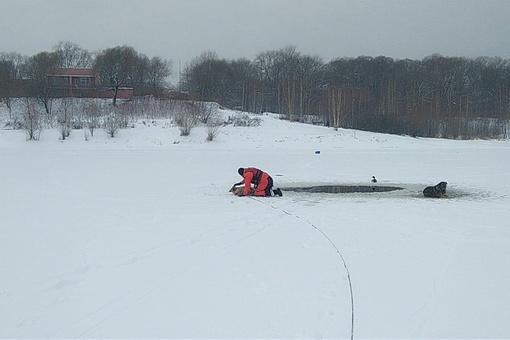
(333, 245)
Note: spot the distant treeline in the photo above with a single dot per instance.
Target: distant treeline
(438, 96)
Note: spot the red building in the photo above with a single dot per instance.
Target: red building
(82, 82)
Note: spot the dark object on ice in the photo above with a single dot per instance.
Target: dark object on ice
(239, 191)
(340, 189)
(437, 191)
(374, 180)
(317, 152)
(278, 192)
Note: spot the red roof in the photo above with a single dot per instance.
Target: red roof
(76, 72)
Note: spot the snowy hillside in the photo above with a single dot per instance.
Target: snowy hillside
(138, 236)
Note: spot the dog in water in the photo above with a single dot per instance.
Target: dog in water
(438, 191)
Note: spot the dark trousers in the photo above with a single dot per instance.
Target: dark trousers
(269, 186)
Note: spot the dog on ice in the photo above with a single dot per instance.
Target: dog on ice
(239, 190)
(437, 191)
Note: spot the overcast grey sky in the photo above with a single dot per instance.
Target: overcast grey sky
(182, 29)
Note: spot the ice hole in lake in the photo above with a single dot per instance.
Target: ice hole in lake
(340, 189)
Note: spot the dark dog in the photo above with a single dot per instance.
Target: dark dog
(438, 191)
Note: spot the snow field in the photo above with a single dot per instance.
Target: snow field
(138, 236)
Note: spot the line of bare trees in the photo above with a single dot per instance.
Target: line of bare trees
(120, 66)
(441, 96)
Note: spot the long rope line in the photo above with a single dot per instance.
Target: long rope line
(332, 244)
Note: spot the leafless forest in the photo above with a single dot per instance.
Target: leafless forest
(438, 96)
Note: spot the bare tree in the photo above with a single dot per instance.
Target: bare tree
(247, 84)
(36, 71)
(140, 66)
(291, 59)
(205, 77)
(158, 71)
(10, 78)
(271, 69)
(337, 105)
(310, 77)
(117, 67)
(71, 55)
(10, 75)
(6, 83)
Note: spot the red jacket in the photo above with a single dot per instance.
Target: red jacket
(252, 176)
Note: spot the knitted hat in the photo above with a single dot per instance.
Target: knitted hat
(240, 171)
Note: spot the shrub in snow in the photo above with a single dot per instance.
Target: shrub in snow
(64, 112)
(32, 121)
(125, 114)
(64, 124)
(111, 124)
(16, 123)
(213, 127)
(92, 114)
(187, 118)
(206, 111)
(243, 119)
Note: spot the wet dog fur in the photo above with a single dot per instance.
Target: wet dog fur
(239, 191)
(436, 191)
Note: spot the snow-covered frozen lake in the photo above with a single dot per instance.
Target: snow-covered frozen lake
(138, 236)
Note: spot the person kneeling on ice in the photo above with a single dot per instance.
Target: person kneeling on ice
(261, 180)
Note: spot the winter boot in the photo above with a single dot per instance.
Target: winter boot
(278, 192)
